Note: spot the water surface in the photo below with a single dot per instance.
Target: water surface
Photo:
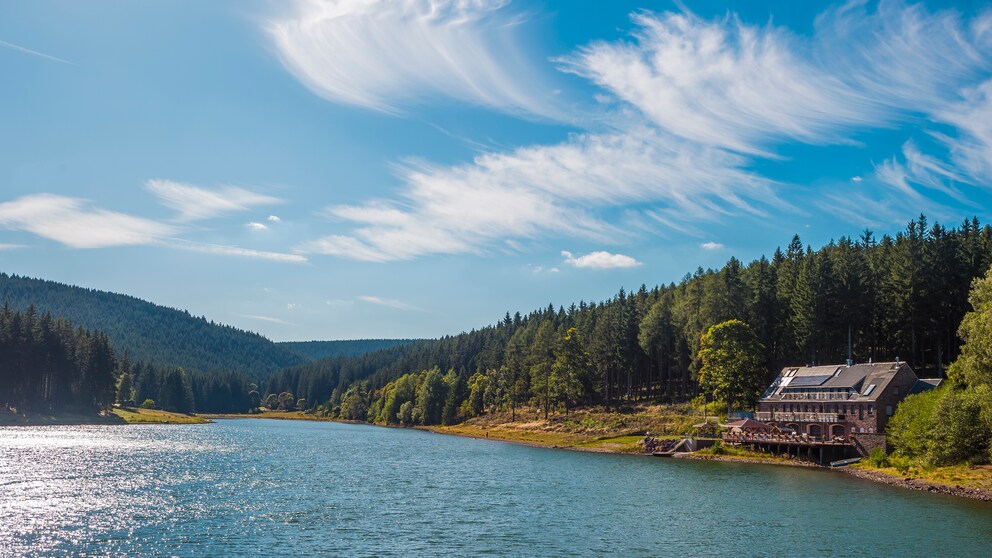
(249, 487)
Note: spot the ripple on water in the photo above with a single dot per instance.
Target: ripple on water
(247, 487)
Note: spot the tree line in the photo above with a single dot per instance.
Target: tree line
(895, 296)
(151, 333)
(47, 364)
(953, 423)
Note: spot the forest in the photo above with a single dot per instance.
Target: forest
(896, 296)
(319, 350)
(46, 363)
(152, 333)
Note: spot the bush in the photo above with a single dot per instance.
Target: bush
(148, 404)
(877, 458)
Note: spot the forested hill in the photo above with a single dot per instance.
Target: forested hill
(152, 334)
(318, 350)
(896, 296)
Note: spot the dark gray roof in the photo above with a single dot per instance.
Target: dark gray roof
(924, 384)
(857, 378)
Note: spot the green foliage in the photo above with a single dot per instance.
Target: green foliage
(731, 364)
(45, 363)
(148, 404)
(974, 366)
(901, 295)
(877, 458)
(320, 350)
(152, 334)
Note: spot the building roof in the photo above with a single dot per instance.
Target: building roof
(858, 382)
(924, 384)
(750, 424)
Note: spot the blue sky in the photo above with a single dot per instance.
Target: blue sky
(406, 168)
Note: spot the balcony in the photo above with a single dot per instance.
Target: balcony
(799, 417)
(827, 396)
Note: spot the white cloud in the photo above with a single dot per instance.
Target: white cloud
(255, 226)
(600, 260)
(222, 250)
(972, 116)
(711, 245)
(269, 319)
(75, 223)
(744, 87)
(856, 179)
(700, 102)
(34, 52)
(273, 219)
(194, 202)
(5, 247)
(383, 55)
(388, 302)
(557, 190)
(338, 302)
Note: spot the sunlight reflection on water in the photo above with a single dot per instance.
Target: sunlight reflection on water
(278, 487)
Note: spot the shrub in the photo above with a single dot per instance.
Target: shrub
(148, 404)
(877, 458)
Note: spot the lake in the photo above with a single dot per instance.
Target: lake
(274, 488)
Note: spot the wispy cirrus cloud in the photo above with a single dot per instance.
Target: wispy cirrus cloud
(386, 55)
(535, 191)
(35, 53)
(711, 245)
(195, 202)
(268, 319)
(701, 102)
(77, 223)
(600, 260)
(388, 302)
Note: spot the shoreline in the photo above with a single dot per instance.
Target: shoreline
(981, 494)
(116, 417)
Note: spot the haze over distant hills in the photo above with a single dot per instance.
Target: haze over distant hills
(317, 350)
(169, 337)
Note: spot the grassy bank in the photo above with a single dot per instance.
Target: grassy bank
(592, 429)
(281, 415)
(153, 416)
(963, 480)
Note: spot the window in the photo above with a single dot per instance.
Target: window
(888, 410)
(871, 409)
(896, 390)
(870, 389)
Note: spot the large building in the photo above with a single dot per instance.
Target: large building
(829, 402)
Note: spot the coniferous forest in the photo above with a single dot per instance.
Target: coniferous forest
(900, 296)
(46, 363)
(152, 333)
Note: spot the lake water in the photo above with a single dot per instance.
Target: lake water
(278, 488)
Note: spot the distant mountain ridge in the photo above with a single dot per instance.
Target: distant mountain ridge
(319, 350)
(151, 333)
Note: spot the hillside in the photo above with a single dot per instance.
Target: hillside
(318, 350)
(152, 334)
(895, 296)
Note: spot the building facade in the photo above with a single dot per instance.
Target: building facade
(831, 402)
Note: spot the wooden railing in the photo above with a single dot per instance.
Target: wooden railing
(785, 416)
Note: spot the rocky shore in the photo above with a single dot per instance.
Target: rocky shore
(919, 484)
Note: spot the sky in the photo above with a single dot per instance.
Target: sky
(414, 168)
